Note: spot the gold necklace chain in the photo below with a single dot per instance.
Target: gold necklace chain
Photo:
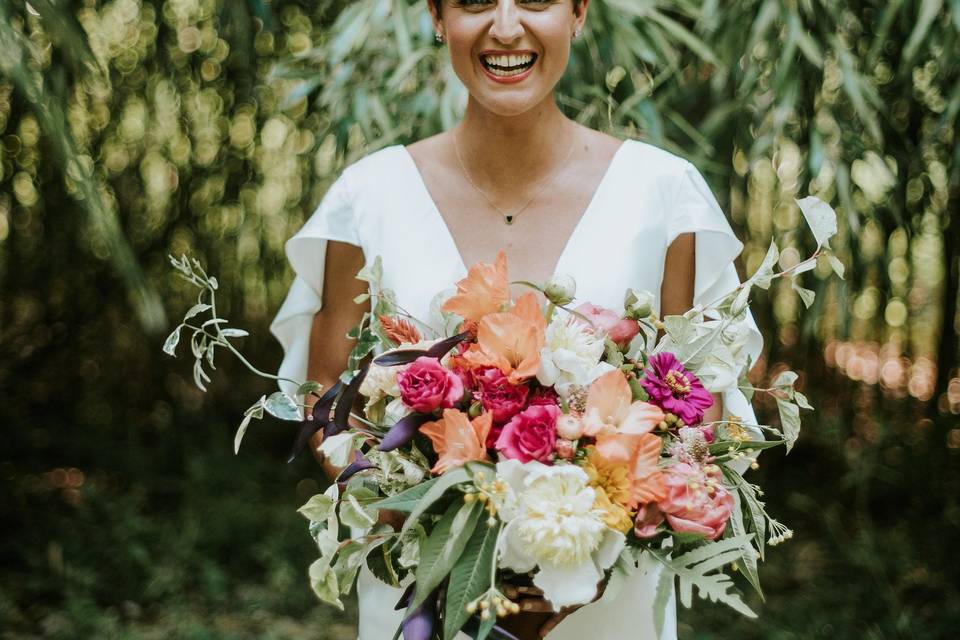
(509, 218)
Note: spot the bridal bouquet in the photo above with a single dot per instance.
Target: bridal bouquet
(557, 443)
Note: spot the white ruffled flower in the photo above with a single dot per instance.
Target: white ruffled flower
(552, 527)
(379, 383)
(570, 355)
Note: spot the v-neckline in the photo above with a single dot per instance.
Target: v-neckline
(441, 222)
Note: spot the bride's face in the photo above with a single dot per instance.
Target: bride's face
(509, 54)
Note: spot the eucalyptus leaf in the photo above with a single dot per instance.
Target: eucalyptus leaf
(323, 581)
(354, 514)
(241, 430)
(170, 344)
(821, 217)
(806, 295)
(195, 310)
(789, 422)
(317, 508)
(308, 388)
(836, 265)
(234, 333)
(282, 406)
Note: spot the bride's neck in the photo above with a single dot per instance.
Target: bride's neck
(511, 151)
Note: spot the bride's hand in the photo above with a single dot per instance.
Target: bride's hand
(531, 601)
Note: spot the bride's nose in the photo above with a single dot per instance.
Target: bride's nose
(506, 27)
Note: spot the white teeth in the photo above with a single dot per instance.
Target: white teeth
(509, 60)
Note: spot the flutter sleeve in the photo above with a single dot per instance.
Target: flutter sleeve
(334, 220)
(697, 211)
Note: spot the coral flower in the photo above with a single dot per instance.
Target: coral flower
(485, 290)
(511, 341)
(458, 440)
(611, 410)
(622, 429)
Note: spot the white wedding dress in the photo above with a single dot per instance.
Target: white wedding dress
(646, 199)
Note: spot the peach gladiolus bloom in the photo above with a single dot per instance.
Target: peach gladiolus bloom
(622, 430)
(458, 440)
(484, 290)
(511, 341)
(611, 410)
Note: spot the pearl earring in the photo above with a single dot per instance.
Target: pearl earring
(577, 33)
(439, 37)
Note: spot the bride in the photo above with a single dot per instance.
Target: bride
(515, 174)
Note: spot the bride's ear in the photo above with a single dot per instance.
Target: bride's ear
(433, 6)
(580, 10)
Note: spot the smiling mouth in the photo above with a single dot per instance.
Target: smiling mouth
(506, 66)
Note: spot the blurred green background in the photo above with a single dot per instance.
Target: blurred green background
(134, 129)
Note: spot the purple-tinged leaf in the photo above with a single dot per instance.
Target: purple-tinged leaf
(406, 598)
(443, 347)
(341, 414)
(403, 431)
(406, 356)
(419, 623)
(394, 358)
(355, 467)
(320, 415)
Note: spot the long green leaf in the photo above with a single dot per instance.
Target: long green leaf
(470, 578)
(443, 546)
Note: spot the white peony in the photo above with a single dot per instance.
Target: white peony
(552, 528)
(570, 355)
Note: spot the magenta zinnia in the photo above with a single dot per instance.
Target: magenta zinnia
(676, 390)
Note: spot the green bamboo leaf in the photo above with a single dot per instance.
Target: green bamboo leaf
(470, 577)
(436, 490)
(444, 545)
(929, 9)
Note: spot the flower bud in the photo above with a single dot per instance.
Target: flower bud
(565, 449)
(638, 304)
(569, 427)
(560, 289)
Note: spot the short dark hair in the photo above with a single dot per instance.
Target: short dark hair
(439, 4)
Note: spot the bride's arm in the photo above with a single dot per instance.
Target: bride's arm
(676, 294)
(329, 345)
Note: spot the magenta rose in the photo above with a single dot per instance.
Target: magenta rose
(531, 434)
(544, 395)
(498, 396)
(648, 520)
(620, 330)
(426, 385)
(676, 390)
(696, 500)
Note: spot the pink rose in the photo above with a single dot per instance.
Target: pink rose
(618, 329)
(648, 520)
(498, 396)
(425, 386)
(696, 501)
(531, 434)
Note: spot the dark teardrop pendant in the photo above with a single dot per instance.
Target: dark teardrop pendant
(509, 219)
